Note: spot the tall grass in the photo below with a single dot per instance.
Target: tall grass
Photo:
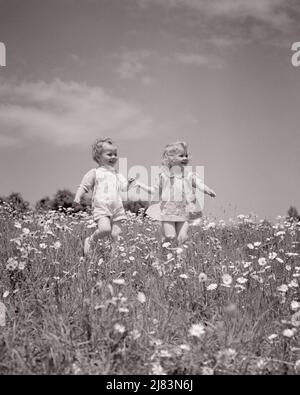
(226, 303)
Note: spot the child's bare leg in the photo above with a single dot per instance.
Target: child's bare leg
(169, 231)
(116, 230)
(104, 229)
(182, 229)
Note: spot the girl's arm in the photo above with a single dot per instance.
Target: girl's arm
(199, 184)
(86, 184)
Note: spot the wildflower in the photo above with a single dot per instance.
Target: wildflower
(157, 369)
(185, 347)
(169, 256)
(179, 251)
(283, 288)
(57, 245)
(294, 284)
(297, 366)
(272, 255)
(262, 261)
(184, 276)
(272, 337)
(207, 371)
(43, 246)
(227, 279)
(25, 231)
(197, 330)
(5, 295)
(288, 267)
(257, 244)
(250, 246)
(119, 328)
(279, 260)
(212, 287)
(100, 261)
(121, 248)
(123, 310)
(141, 297)
(295, 305)
(119, 281)
(202, 277)
(295, 320)
(12, 264)
(18, 225)
(289, 332)
(21, 265)
(241, 280)
(166, 245)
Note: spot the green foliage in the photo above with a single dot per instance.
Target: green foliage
(146, 307)
(16, 202)
(135, 206)
(293, 214)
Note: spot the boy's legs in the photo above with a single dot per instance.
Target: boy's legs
(104, 229)
(116, 230)
(182, 229)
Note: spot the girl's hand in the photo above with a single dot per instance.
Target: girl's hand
(211, 193)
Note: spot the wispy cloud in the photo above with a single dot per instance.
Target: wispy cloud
(132, 63)
(65, 113)
(276, 14)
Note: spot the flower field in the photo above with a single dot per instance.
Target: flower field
(227, 302)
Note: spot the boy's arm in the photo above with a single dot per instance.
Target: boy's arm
(86, 184)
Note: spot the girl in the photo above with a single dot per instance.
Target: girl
(106, 185)
(177, 189)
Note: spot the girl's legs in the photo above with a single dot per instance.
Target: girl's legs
(182, 232)
(169, 231)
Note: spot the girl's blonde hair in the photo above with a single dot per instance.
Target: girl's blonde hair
(171, 149)
(97, 148)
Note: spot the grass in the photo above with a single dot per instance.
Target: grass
(213, 307)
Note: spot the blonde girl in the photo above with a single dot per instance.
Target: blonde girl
(177, 193)
(106, 185)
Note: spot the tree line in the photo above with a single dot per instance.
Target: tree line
(63, 200)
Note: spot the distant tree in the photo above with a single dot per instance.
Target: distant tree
(44, 204)
(293, 213)
(63, 198)
(17, 202)
(135, 206)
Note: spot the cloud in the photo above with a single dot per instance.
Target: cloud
(132, 63)
(273, 13)
(65, 113)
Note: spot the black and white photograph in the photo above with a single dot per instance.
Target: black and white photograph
(149, 190)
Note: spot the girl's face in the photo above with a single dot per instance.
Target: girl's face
(178, 157)
(109, 155)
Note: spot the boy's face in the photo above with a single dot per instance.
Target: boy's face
(109, 155)
(178, 156)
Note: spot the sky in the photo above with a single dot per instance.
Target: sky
(216, 74)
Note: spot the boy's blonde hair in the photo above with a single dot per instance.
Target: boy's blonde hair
(170, 149)
(97, 148)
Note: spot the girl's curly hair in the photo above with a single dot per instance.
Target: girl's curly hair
(171, 149)
(97, 147)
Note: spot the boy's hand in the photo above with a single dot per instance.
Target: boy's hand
(131, 182)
